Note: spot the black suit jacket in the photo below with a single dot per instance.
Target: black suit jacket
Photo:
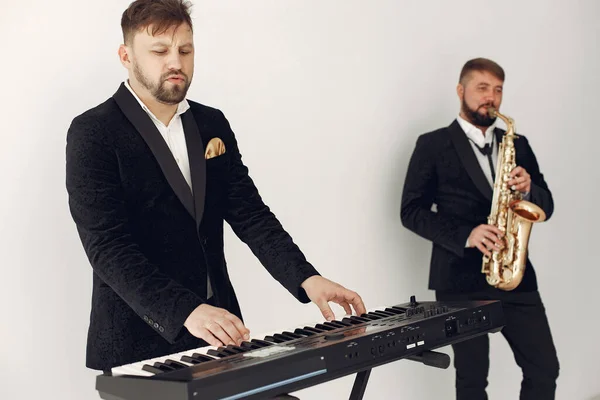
(444, 171)
(149, 240)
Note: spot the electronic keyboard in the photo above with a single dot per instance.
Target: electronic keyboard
(297, 358)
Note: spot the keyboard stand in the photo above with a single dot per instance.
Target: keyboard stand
(429, 358)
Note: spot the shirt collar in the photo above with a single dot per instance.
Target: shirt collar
(182, 107)
(475, 133)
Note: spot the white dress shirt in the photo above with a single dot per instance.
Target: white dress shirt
(175, 138)
(479, 139)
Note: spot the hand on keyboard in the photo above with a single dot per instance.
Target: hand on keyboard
(216, 326)
(321, 291)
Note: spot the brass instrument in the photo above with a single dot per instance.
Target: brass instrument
(512, 215)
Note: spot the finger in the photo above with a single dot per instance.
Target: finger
(493, 229)
(325, 309)
(358, 304)
(245, 332)
(208, 337)
(219, 333)
(515, 181)
(521, 187)
(516, 171)
(487, 244)
(231, 330)
(356, 301)
(492, 240)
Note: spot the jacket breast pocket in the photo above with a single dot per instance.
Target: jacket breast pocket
(217, 176)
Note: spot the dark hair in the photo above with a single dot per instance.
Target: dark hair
(481, 64)
(161, 14)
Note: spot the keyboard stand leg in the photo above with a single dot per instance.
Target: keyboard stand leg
(360, 385)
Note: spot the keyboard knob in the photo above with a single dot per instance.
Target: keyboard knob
(413, 301)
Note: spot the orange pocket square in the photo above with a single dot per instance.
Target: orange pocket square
(214, 148)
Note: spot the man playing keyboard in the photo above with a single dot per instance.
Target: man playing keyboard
(151, 177)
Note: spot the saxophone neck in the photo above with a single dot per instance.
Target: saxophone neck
(510, 123)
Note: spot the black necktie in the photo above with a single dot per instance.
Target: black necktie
(487, 151)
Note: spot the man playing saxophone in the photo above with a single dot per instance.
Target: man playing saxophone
(454, 168)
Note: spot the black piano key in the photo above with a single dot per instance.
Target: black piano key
(394, 311)
(358, 319)
(352, 321)
(389, 313)
(236, 349)
(371, 317)
(382, 314)
(201, 357)
(273, 339)
(282, 337)
(324, 327)
(150, 368)
(334, 324)
(175, 364)
(251, 346)
(304, 332)
(261, 342)
(292, 335)
(315, 330)
(285, 337)
(164, 367)
(190, 360)
(342, 322)
(227, 351)
(219, 353)
(403, 309)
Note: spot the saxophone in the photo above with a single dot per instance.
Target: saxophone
(512, 215)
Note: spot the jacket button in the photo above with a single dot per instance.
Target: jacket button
(156, 324)
(160, 328)
(150, 321)
(146, 318)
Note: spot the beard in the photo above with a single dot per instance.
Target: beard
(475, 117)
(159, 90)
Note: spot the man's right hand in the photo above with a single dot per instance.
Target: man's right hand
(485, 238)
(216, 326)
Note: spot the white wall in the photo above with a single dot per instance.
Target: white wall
(327, 99)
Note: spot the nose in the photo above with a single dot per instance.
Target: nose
(490, 98)
(174, 61)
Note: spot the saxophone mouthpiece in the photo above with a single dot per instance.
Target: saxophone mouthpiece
(491, 112)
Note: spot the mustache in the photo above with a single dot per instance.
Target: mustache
(178, 74)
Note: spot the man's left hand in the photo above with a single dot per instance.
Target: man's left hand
(321, 291)
(520, 180)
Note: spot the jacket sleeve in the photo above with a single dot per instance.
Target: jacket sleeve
(418, 196)
(97, 205)
(540, 193)
(254, 223)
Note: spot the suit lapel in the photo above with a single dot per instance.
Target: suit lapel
(499, 136)
(468, 159)
(144, 125)
(195, 150)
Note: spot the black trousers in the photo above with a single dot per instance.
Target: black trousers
(528, 334)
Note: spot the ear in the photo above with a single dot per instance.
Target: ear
(460, 91)
(124, 56)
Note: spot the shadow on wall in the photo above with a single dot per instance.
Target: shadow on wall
(596, 397)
